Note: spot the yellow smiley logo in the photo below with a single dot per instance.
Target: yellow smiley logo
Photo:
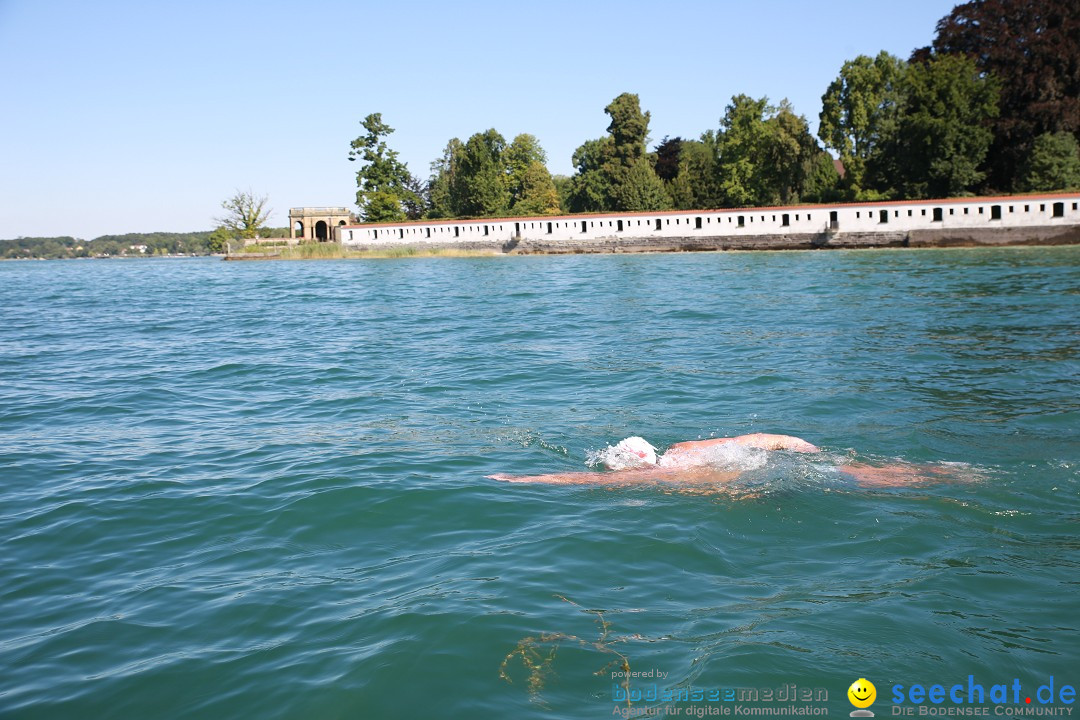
(862, 693)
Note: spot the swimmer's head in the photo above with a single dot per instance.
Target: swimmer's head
(636, 451)
(633, 452)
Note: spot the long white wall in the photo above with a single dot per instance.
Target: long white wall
(1014, 211)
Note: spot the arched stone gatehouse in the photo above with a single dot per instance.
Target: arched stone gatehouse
(317, 223)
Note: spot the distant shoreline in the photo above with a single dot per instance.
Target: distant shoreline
(112, 257)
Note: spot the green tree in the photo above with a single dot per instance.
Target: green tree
(590, 188)
(1053, 164)
(640, 189)
(383, 206)
(220, 239)
(821, 182)
(519, 158)
(694, 185)
(485, 177)
(245, 214)
(790, 146)
(858, 114)
(537, 195)
(943, 132)
(633, 183)
(668, 155)
(1033, 49)
(479, 187)
(416, 200)
(741, 146)
(563, 186)
(629, 128)
(762, 153)
(384, 184)
(443, 172)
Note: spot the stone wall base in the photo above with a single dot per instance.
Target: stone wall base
(972, 237)
(953, 237)
(477, 245)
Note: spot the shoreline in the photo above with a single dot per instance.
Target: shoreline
(1040, 236)
(1049, 219)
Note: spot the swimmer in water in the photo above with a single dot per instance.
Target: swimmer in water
(634, 461)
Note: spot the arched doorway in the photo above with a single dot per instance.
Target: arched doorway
(320, 231)
(298, 229)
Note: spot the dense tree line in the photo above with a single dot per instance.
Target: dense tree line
(39, 247)
(128, 245)
(910, 130)
(1032, 49)
(993, 105)
(483, 176)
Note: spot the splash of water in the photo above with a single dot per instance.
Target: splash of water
(726, 456)
(613, 457)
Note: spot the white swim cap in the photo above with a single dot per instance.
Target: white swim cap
(639, 448)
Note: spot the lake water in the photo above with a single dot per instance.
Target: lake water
(258, 489)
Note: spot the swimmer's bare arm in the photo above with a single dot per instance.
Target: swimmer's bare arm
(898, 475)
(575, 478)
(764, 441)
(636, 476)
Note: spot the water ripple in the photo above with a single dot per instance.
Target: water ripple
(259, 489)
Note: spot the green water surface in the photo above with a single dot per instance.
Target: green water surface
(257, 490)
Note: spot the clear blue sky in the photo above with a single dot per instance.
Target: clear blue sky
(140, 116)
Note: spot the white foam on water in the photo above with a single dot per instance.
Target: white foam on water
(771, 473)
(730, 457)
(725, 456)
(614, 458)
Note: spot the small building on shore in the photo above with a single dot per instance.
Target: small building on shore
(318, 224)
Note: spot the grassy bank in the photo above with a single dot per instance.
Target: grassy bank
(336, 251)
